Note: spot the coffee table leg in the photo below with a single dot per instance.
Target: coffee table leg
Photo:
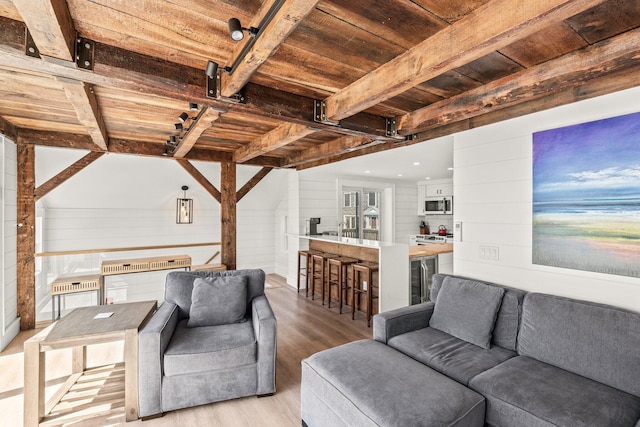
(34, 375)
(131, 374)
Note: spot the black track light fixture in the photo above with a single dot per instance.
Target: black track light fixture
(182, 117)
(212, 69)
(193, 106)
(178, 126)
(236, 30)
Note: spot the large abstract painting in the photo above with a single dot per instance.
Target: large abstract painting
(586, 196)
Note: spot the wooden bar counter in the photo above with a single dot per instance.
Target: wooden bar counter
(392, 259)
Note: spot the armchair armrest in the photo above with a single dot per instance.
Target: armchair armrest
(265, 329)
(152, 342)
(402, 320)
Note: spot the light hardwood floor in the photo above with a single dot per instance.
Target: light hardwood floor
(304, 327)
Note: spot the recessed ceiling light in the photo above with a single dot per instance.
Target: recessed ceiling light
(416, 163)
(399, 174)
(427, 177)
(449, 169)
(367, 171)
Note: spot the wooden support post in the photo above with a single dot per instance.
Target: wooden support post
(26, 236)
(228, 214)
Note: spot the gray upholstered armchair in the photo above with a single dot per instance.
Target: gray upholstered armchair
(213, 339)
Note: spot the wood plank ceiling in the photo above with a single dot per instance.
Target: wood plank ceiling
(323, 80)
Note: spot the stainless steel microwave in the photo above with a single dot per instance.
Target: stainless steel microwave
(438, 206)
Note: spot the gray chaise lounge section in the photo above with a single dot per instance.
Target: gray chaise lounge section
(552, 361)
(181, 367)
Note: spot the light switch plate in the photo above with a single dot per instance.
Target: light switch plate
(457, 231)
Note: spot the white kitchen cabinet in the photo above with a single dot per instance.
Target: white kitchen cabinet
(436, 190)
(422, 193)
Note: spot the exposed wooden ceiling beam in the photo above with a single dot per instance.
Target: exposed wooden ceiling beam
(51, 27)
(344, 144)
(201, 179)
(252, 183)
(279, 137)
(44, 189)
(571, 70)
(84, 101)
(8, 129)
(492, 26)
(609, 83)
(204, 121)
(290, 14)
(121, 146)
(118, 68)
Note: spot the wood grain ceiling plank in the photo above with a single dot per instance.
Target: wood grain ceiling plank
(38, 124)
(269, 40)
(571, 70)
(488, 28)
(325, 35)
(550, 43)
(400, 22)
(51, 27)
(85, 103)
(606, 20)
(53, 183)
(451, 10)
(203, 122)
(279, 137)
(183, 33)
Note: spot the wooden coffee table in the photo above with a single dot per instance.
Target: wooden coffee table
(77, 330)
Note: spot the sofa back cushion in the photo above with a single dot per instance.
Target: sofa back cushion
(505, 331)
(467, 310)
(179, 286)
(592, 340)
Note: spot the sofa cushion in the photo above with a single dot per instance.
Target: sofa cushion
(218, 301)
(505, 331)
(179, 286)
(523, 392)
(467, 310)
(593, 340)
(453, 357)
(367, 383)
(202, 349)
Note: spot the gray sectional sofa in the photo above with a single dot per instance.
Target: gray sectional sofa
(482, 354)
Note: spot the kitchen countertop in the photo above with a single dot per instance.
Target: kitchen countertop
(432, 249)
(349, 241)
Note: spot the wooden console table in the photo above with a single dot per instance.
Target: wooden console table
(77, 330)
(72, 284)
(140, 265)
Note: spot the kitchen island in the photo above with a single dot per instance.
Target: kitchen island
(392, 259)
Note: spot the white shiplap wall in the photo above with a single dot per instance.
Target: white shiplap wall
(125, 201)
(493, 199)
(8, 291)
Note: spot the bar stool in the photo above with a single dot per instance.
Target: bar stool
(363, 270)
(338, 275)
(317, 273)
(306, 253)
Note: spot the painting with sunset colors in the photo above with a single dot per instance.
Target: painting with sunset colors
(586, 196)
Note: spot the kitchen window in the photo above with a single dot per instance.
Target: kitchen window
(361, 221)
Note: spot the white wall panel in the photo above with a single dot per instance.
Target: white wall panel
(9, 322)
(493, 199)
